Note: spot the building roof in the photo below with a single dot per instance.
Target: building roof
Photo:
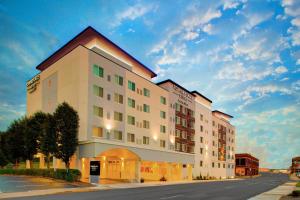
(196, 92)
(248, 155)
(81, 39)
(296, 158)
(169, 80)
(217, 111)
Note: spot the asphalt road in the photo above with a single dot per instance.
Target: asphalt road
(223, 190)
(24, 183)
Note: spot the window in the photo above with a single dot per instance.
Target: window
(163, 114)
(145, 140)
(131, 85)
(131, 120)
(201, 163)
(213, 143)
(119, 80)
(98, 111)
(224, 165)
(177, 120)
(177, 146)
(162, 143)
(98, 71)
(213, 164)
(201, 128)
(118, 135)
(118, 98)
(118, 116)
(201, 117)
(183, 147)
(97, 131)
(177, 133)
(108, 97)
(177, 107)
(183, 134)
(162, 129)
(213, 123)
(98, 91)
(146, 124)
(213, 153)
(183, 122)
(146, 92)
(146, 108)
(130, 137)
(131, 103)
(108, 78)
(163, 100)
(219, 165)
(201, 139)
(201, 150)
(213, 133)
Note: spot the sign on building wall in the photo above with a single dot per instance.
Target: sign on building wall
(33, 83)
(95, 168)
(184, 97)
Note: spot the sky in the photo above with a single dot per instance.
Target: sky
(243, 55)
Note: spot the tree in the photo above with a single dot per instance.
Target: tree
(48, 140)
(15, 140)
(67, 122)
(3, 157)
(33, 135)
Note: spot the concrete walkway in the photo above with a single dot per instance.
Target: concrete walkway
(276, 193)
(100, 187)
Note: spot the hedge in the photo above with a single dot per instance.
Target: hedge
(73, 175)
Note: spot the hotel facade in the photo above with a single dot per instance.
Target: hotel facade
(136, 128)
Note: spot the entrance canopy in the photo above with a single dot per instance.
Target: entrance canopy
(120, 153)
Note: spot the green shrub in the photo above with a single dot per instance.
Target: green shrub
(71, 176)
(298, 184)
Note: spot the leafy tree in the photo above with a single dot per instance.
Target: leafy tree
(67, 122)
(3, 157)
(15, 140)
(48, 140)
(33, 134)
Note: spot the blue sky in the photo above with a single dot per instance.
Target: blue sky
(244, 55)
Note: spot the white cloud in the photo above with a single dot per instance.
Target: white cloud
(191, 35)
(208, 29)
(296, 85)
(281, 70)
(291, 7)
(230, 4)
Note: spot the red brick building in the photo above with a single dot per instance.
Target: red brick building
(246, 165)
(295, 168)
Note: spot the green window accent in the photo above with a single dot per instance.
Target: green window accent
(98, 111)
(177, 107)
(119, 80)
(163, 114)
(145, 140)
(98, 91)
(118, 135)
(146, 124)
(131, 103)
(177, 120)
(162, 129)
(131, 120)
(130, 137)
(146, 92)
(163, 100)
(118, 98)
(146, 108)
(131, 85)
(118, 116)
(98, 71)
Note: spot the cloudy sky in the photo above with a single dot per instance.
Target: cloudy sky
(244, 55)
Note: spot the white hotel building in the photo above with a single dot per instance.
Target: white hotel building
(136, 128)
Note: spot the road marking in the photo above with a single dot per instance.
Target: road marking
(171, 197)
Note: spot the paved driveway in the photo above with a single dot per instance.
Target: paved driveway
(222, 190)
(23, 183)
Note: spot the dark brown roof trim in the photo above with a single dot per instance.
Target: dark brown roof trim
(169, 80)
(196, 92)
(222, 113)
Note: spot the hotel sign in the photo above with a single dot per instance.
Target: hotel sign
(33, 83)
(185, 98)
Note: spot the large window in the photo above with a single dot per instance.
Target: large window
(97, 131)
(131, 85)
(130, 137)
(163, 114)
(131, 120)
(184, 122)
(177, 106)
(146, 92)
(118, 135)
(131, 103)
(98, 91)
(98, 71)
(162, 129)
(177, 120)
(163, 100)
(146, 108)
(146, 124)
(98, 111)
(118, 98)
(162, 143)
(118, 116)
(145, 140)
(119, 80)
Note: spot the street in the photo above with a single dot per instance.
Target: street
(239, 189)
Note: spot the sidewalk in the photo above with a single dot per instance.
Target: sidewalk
(276, 193)
(101, 187)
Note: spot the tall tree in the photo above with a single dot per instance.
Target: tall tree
(15, 140)
(3, 146)
(33, 133)
(67, 122)
(48, 140)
